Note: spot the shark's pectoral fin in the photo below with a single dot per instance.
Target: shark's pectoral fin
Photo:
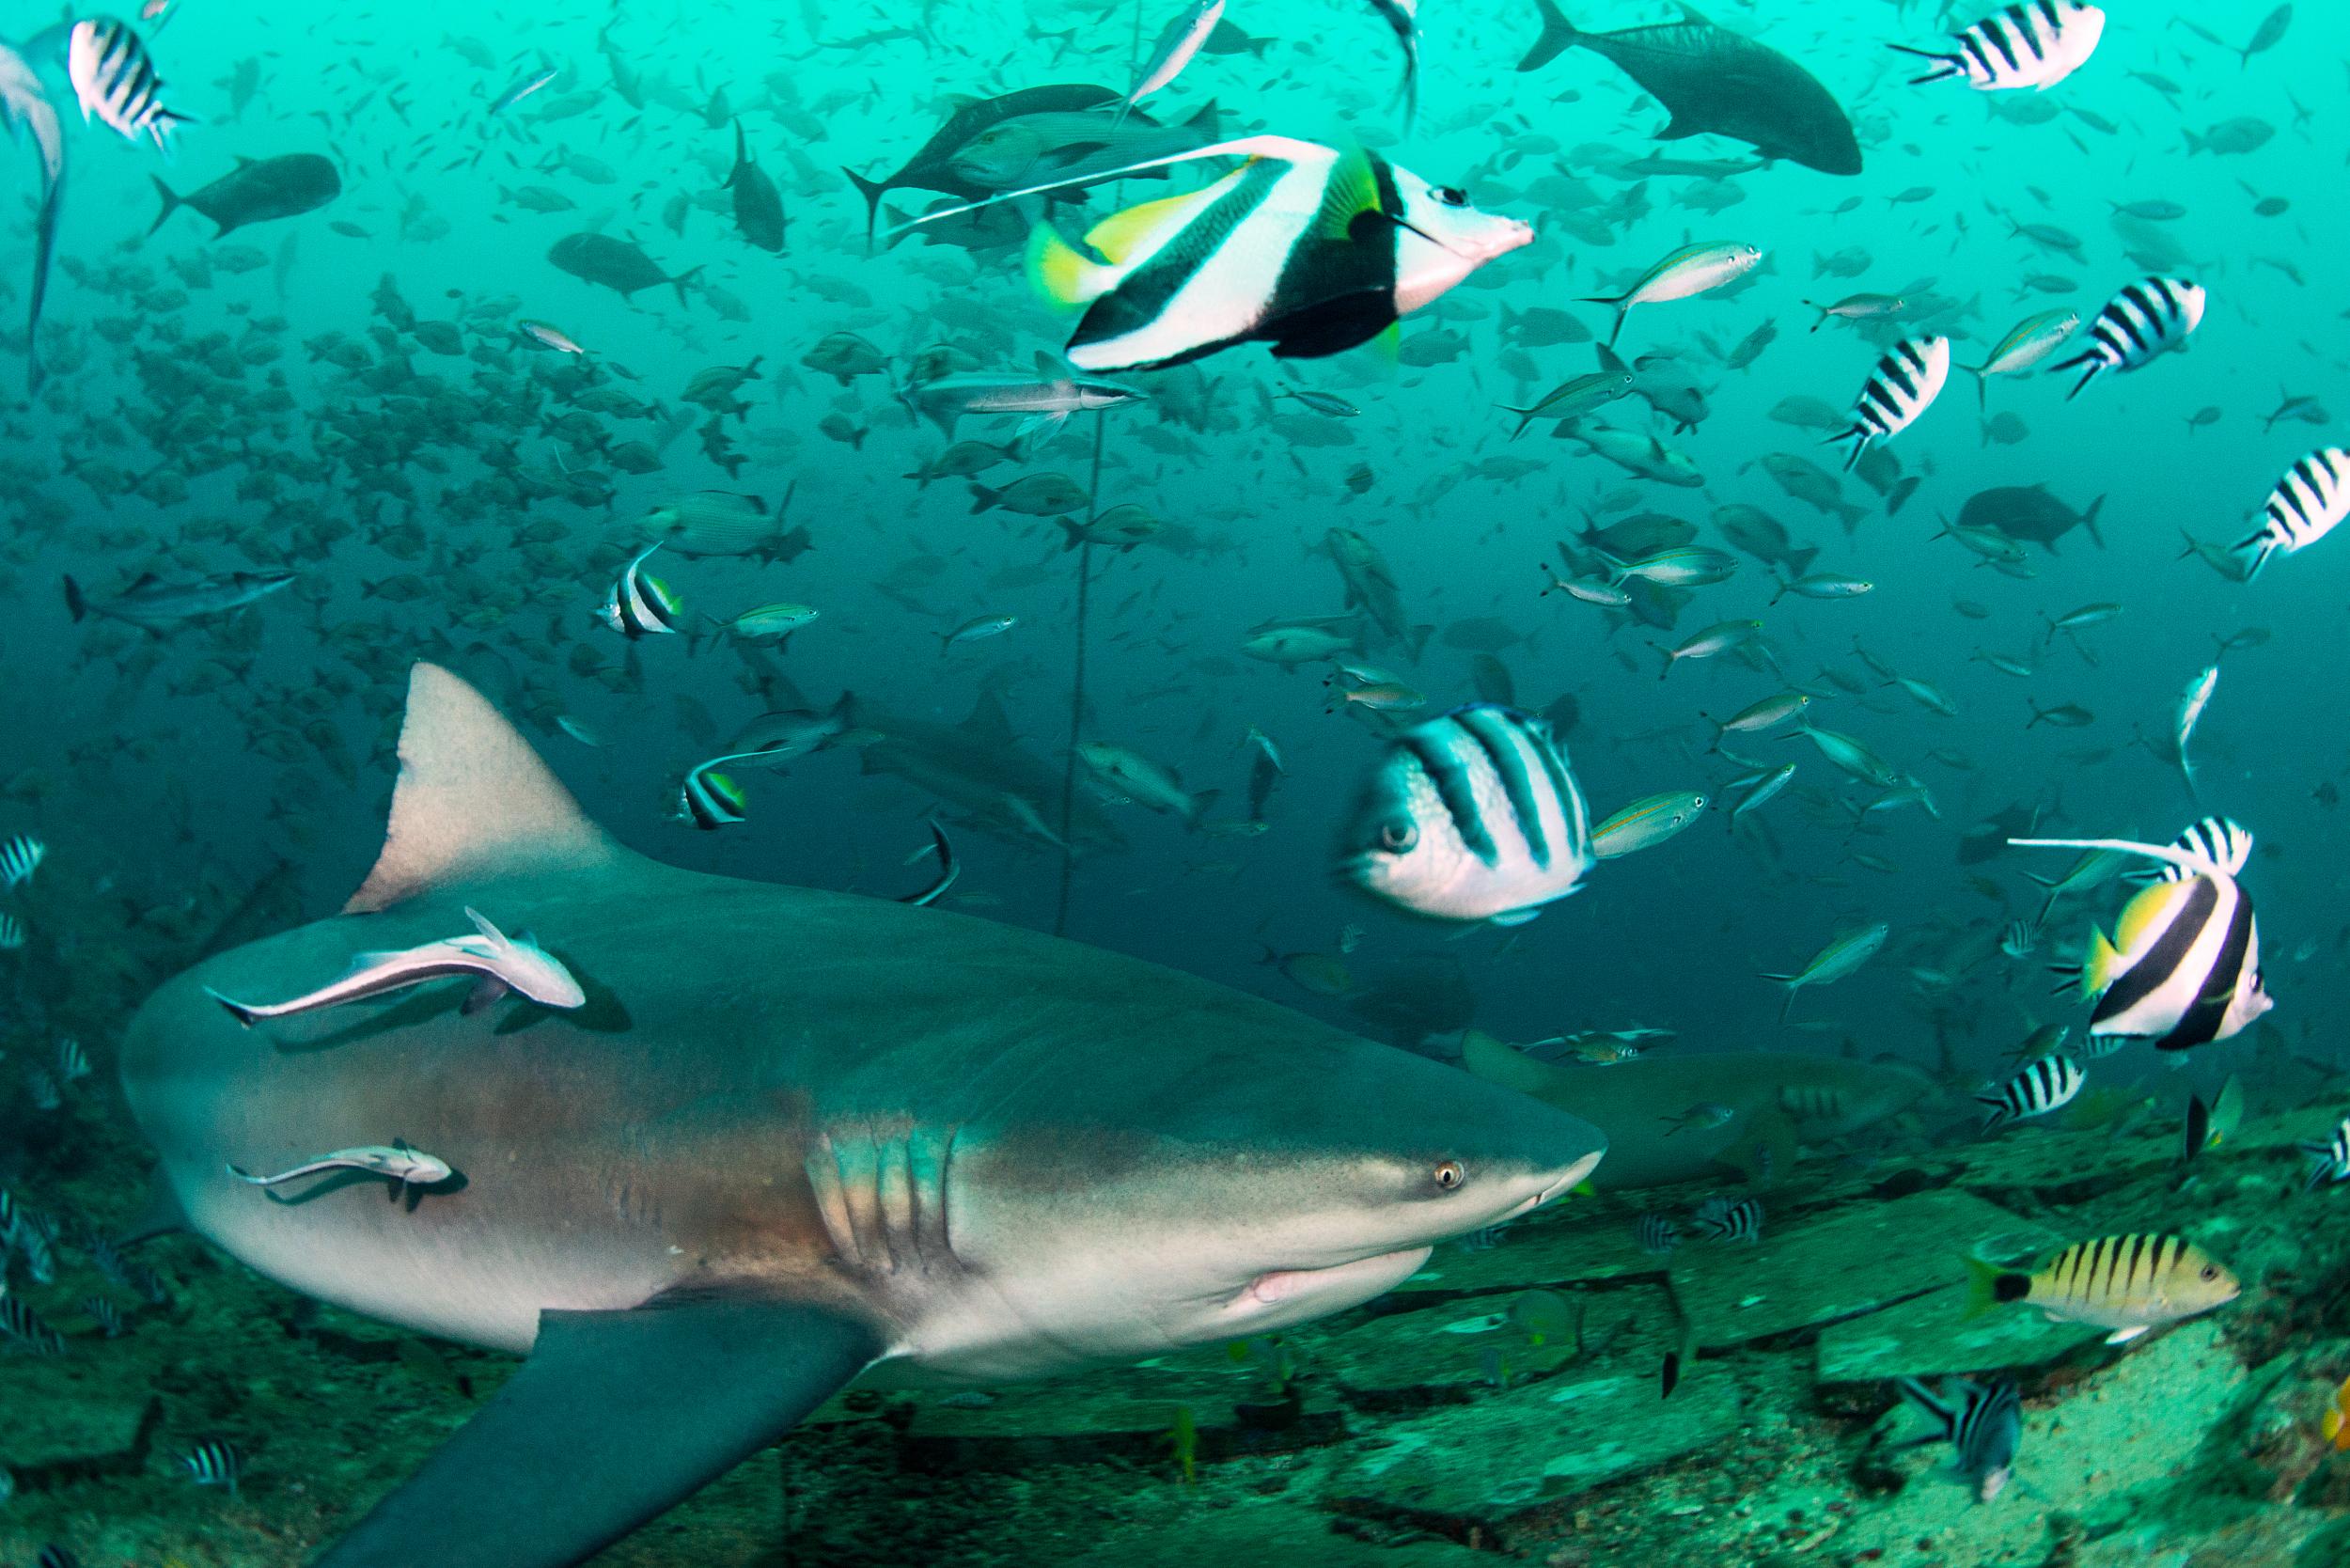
(615, 1416)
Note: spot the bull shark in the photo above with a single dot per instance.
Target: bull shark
(792, 1138)
(1782, 1097)
(980, 768)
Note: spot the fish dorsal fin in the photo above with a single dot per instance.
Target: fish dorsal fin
(1351, 191)
(989, 723)
(490, 933)
(1490, 1059)
(1121, 234)
(472, 798)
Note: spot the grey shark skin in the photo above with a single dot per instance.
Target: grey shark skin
(791, 1139)
(1822, 1097)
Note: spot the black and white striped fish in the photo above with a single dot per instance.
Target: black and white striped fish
(2145, 319)
(2183, 968)
(11, 933)
(639, 604)
(1903, 386)
(2329, 1161)
(1310, 248)
(710, 800)
(2224, 844)
(1723, 1220)
(20, 857)
(1984, 1424)
(1473, 816)
(214, 1463)
(2040, 1088)
(1656, 1234)
(54, 1556)
(2307, 502)
(73, 1062)
(2036, 45)
(103, 1313)
(114, 79)
(19, 1323)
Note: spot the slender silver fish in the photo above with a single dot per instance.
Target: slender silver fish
(406, 1166)
(497, 961)
(25, 107)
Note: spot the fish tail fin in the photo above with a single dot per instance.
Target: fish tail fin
(75, 605)
(1558, 35)
(2258, 542)
(1982, 387)
(1061, 273)
(872, 191)
(2089, 521)
(238, 1011)
(1945, 66)
(2088, 375)
(1856, 434)
(1988, 1285)
(173, 200)
(678, 282)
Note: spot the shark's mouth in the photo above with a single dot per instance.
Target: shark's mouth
(1371, 1276)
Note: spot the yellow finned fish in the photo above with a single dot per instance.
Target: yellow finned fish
(2126, 1284)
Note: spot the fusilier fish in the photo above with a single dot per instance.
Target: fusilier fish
(2192, 702)
(2029, 344)
(2126, 1284)
(1691, 271)
(2138, 325)
(1844, 953)
(495, 963)
(1472, 816)
(1646, 823)
(2034, 44)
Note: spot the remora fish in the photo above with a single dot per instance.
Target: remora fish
(1310, 248)
(257, 190)
(406, 1166)
(151, 602)
(757, 1168)
(1053, 393)
(26, 108)
(1178, 43)
(496, 961)
(1715, 80)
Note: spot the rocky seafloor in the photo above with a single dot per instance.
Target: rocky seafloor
(1506, 1401)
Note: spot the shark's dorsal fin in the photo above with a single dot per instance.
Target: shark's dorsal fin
(472, 798)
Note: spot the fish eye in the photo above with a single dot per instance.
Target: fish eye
(2211, 1271)
(1449, 196)
(1450, 1175)
(1397, 838)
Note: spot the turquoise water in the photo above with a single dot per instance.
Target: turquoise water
(464, 494)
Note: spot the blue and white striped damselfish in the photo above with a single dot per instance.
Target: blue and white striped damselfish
(1306, 248)
(1473, 816)
(2183, 968)
(2144, 321)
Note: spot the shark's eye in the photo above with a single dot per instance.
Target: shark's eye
(1450, 1175)
(1397, 838)
(1449, 196)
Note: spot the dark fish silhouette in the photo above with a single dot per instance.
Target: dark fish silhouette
(757, 205)
(1716, 82)
(932, 166)
(615, 263)
(257, 190)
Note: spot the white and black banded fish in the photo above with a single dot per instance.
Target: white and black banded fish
(1472, 816)
(2040, 1088)
(1656, 1233)
(1903, 386)
(54, 1556)
(214, 1463)
(2329, 1161)
(2035, 43)
(2020, 938)
(2183, 968)
(19, 1323)
(11, 933)
(1984, 1422)
(114, 78)
(640, 605)
(2305, 506)
(73, 1062)
(2223, 842)
(20, 857)
(103, 1313)
(1722, 1219)
(2142, 322)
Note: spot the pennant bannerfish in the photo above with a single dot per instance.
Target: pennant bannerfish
(497, 961)
(1310, 248)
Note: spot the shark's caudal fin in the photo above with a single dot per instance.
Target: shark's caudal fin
(615, 1416)
(472, 798)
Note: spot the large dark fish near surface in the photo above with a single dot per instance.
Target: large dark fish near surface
(257, 190)
(24, 108)
(617, 264)
(1719, 82)
(2029, 513)
(757, 205)
(932, 166)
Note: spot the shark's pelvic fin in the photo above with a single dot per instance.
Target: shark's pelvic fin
(472, 798)
(615, 1417)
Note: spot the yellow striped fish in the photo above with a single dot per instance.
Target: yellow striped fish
(2126, 1284)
